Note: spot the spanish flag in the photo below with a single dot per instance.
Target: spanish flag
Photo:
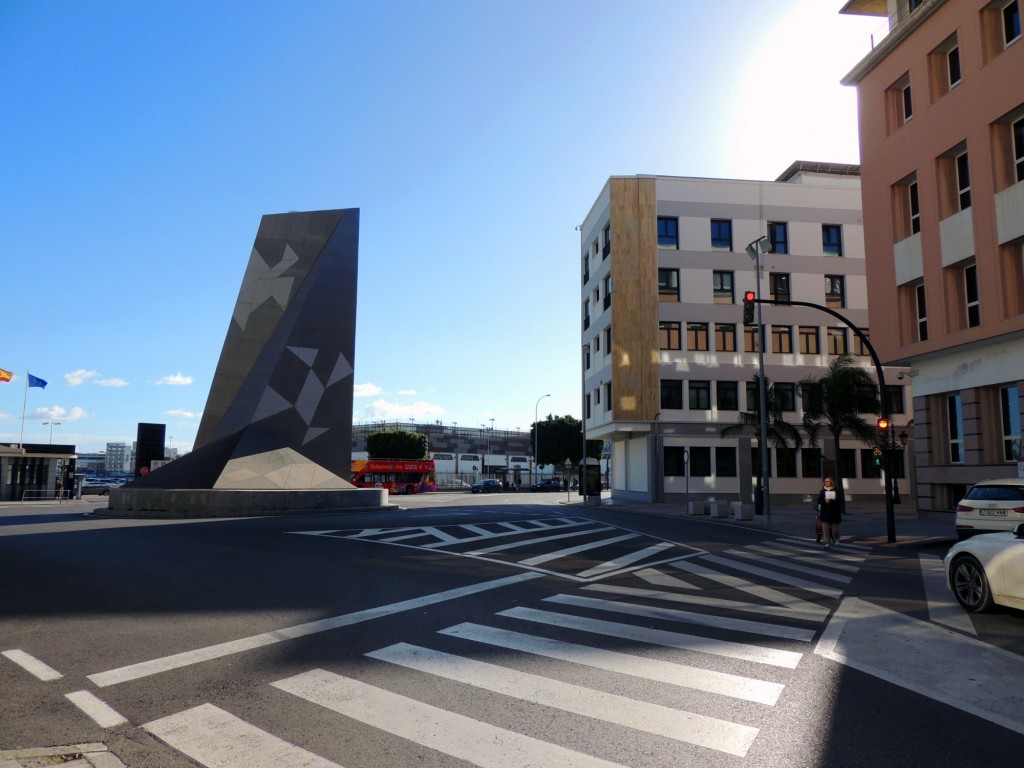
(5, 375)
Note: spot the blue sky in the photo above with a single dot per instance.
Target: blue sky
(142, 142)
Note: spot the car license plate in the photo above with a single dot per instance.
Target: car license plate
(992, 512)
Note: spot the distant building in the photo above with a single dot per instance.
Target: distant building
(118, 458)
(667, 360)
(941, 105)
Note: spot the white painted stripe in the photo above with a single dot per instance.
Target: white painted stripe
(933, 661)
(777, 562)
(942, 606)
(778, 611)
(803, 608)
(727, 648)
(461, 737)
(653, 576)
(548, 556)
(478, 530)
(781, 578)
(32, 665)
(419, 534)
(104, 715)
(217, 739)
(655, 719)
(857, 549)
(513, 530)
(626, 560)
(686, 617)
(186, 658)
(803, 556)
(539, 540)
(709, 681)
(446, 537)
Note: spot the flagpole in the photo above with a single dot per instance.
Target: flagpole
(24, 403)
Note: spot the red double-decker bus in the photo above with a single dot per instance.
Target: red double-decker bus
(399, 476)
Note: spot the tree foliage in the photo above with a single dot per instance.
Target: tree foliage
(397, 444)
(559, 438)
(780, 432)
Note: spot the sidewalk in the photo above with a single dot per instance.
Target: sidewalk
(864, 522)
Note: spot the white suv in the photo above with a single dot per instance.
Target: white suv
(991, 505)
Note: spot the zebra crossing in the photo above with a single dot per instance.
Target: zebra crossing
(653, 655)
(571, 547)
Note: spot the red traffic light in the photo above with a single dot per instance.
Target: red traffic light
(749, 296)
(883, 423)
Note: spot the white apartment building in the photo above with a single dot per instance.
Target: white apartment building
(118, 458)
(667, 360)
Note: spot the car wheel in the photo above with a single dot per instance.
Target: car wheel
(970, 585)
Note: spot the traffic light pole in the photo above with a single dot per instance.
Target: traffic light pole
(890, 513)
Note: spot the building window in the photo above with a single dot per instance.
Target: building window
(597, 343)
(751, 338)
(725, 462)
(1011, 22)
(1017, 130)
(721, 233)
(700, 462)
(668, 232)
(810, 462)
(963, 181)
(586, 314)
(668, 284)
(670, 335)
(597, 395)
(894, 400)
(697, 337)
(723, 287)
(782, 339)
(671, 394)
(809, 344)
(785, 395)
(907, 103)
(675, 461)
(778, 234)
(587, 399)
(586, 268)
(922, 313)
(832, 239)
(608, 396)
(725, 337)
(608, 341)
(700, 395)
(837, 341)
(606, 237)
(1009, 404)
(860, 349)
(586, 357)
(607, 291)
(971, 296)
(835, 291)
(955, 425)
(914, 206)
(785, 462)
(728, 395)
(953, 65)
(778, 283)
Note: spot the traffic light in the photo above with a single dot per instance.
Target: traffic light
(883, 425)
(878, 457)
(748, 308)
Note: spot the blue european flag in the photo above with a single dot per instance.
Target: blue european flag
(35, 381)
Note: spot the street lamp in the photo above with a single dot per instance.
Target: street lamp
(536, 436)
(754, 250)
(51, 424)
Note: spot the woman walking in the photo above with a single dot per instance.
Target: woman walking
(830, 510)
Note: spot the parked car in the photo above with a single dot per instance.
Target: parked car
(486, 486)
(548, 484)
(91, 487)
(988, 570)
(991, 505)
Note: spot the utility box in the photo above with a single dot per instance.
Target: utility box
(590, 477)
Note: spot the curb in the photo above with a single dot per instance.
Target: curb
(89, 755)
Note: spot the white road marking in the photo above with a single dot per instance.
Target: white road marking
(537, 540)
(777, 562)
(653, 576)
(686, 617)
(803, 555)
(707, 680)
(32, 665)
(727, 648)
(781, 578)
(655, 719)
(104, 715)
(560, 553)
(626, 560)
(932, 661)
(217, 739)
(516, 530)
(942, 606)
(478, 743)
(778, 611)
(186, 658)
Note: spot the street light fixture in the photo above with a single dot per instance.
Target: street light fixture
(51, 424)
(536, 436)
(754, 250)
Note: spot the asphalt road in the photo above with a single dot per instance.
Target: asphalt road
(498, 630)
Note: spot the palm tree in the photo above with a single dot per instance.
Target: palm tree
(780, 432)
(836, 401)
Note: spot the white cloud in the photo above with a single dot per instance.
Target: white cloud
(58, 413)
(418, 411)
(366, 390)
(111, 382)
(181, 413)
(407, 391)
(175, 380)
(79, 377)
